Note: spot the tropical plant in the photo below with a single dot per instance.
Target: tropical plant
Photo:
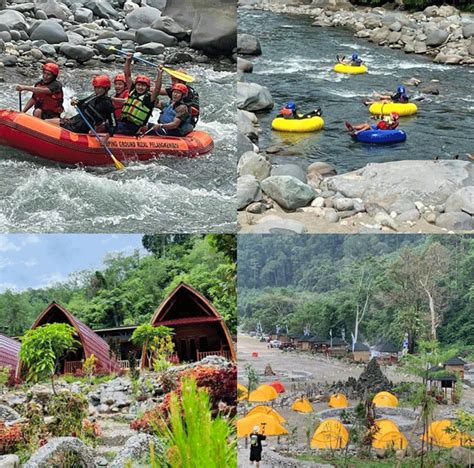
(88, 366)
(152, 340)
(42, 348)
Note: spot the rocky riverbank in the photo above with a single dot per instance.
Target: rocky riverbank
(442, 33)
(76, 33)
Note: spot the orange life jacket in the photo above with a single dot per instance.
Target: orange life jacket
(49, 102)
(118, 105)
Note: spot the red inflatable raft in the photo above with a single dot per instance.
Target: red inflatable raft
(40, 138)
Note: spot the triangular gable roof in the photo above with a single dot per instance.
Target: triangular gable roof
(386, 347)
(360, 347)
(91, 342)
(455, 361)
(9, 350)
(336, 341)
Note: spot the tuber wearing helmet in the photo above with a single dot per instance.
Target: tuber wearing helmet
(394, 115)
(182, 88)
(291, 105)
(101, 81)
(401, 90)
(143, 79)
(52, 68)
(120, 77)
(354, 56)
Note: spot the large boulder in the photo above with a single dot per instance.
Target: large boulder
(183, 16)
(214, 31)
(253, 97)
(461, 200)
(170, 26)
(468, 30)
(50, 31)
(436, 37)
(248, 44)
(251, 163)
(248, 191)
(292, 170)
(142, 17)
(102, 9)
(106, 46)
(289, 192)
(146, 35)
(151, 48)
(455, 221)
(13, 19)
(77, 52)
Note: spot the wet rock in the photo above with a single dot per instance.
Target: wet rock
(77, 52)
(253, 97)
(292, 170)
(50, 31)
(146, 35)
(248, 191)
(247, 123)
(430, 88)
(170, 26)
(151, 48)
(287, 191)
(214, 30)
(142, 17)
(461, 200)
(455, 221)
(248, 44)
(244, 65)
(13, 19)
(105, 46)
(251, 163)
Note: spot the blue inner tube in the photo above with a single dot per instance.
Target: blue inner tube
(380, 136)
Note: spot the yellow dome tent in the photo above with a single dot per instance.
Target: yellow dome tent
(330, 434)
(267, 410)
(263, 393)
(244, 393)
(302, 405)
(385, 399)
(437, 435)
(338, 401)
(388, 436)
(267, 423)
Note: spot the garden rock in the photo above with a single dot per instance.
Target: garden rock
(146, 35)
(50, 31)
(288, 192)
(9, 461)
(136, 447)
(142, 17)
(8, 414)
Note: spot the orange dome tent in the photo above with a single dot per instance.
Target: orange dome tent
(263, 393)
(278, 386)
(330, 434)
(385, 399)
(267, 423)
(437, 435)
(338, 401)
(267, 410)
(388, 436)
(302, 405)
(244, 393)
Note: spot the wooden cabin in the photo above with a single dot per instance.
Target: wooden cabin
(89, 342)
(119, 340)
(456, 365)
(199, 330)
(361, 352)
(304, 343)
(336, 347)
(317, 344)
(9, 351)
(386, 352)
(443, 380)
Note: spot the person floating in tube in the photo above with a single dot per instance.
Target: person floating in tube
(355, 60)
(388, 122)
(290, 111)
(400, 97)
(256, 445)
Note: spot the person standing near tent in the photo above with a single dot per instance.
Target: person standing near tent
(256, 446)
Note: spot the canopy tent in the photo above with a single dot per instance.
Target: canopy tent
(263, 393)
(244, 393)
(338, 401)
(267, 410)
(302, 405)
(278, 386)
(267, 423)
(330, 434)
(385, 399)
(388, 436)
(437, 435)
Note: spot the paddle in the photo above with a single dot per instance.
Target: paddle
(177, 74)
(19, 101)
(117, 163)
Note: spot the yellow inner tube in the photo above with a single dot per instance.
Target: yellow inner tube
(380, 108)
(306, 124)
(351, 70)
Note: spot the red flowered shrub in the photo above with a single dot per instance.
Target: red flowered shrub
(91, 429)
(9, 437)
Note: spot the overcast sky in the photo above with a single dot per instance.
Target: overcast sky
(39, 260)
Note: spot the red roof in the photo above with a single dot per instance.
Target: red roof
(9, 350)
(90, 341)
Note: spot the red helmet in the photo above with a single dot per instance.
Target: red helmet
(52, 68)
(143, 79)
(182, 88)
(120, 77)
(394, 116)
(101, 81)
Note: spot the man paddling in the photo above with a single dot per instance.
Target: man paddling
(47, 97)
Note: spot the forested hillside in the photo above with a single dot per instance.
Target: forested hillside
(390, 285)
(130, 288)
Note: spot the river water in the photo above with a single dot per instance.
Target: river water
(296, 64)
(165, 195)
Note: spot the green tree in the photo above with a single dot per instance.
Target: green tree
(42, 348)
(147, 337)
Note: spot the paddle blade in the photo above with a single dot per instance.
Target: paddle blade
(180, 75)
(118, 164)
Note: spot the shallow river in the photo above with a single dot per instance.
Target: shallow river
(165, 195)
(296, 64)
